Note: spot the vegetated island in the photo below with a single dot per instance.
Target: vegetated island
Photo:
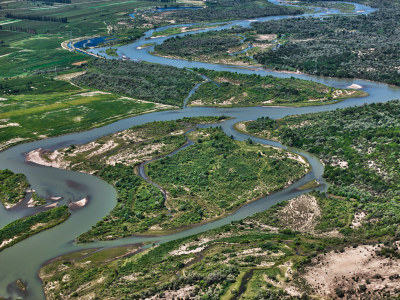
(14, 188)
(227, 89)
(23, 228)
(207, 189)
(235, 46)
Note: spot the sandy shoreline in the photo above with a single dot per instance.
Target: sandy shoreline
(355, 86)
(6, 242)
(79, 204)
(36, 156)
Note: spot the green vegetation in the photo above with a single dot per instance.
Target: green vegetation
(357, 46)
(221, 10)
(359, 147)
(144, 81)
(261, 257)
(33, 86)
(26, 227)
(140, 206)
(13, 188)
(34, 46)
(207, 46)
(249, 90)
(309, 185)
(37, 200)
(217, 175)
(343, 7)
(32, 54)
(166, 32)
(112, 52)
(337, 213)
(268, 255)
(211, 265)
(216, 46)
(190, 199)
(113, 158)
(222, 47)
(38, 106)
(147, 45)
(21, 286)
(129, 147)
(353, 46)
(177, 30)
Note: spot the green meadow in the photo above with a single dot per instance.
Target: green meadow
(40, 106)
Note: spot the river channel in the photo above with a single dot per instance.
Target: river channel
(23, 260)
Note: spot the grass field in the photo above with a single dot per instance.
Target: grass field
(39, 106)
(31, 52)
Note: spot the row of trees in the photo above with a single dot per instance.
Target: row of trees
(21, 29)
(53, 1)
(37, 18)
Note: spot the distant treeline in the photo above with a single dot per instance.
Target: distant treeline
(20, 29)
(164, 1)
(52, 1)
(36, 18)
(232, 10)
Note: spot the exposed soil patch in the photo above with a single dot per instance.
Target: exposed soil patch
(266, 37)
(358, 219)
(301, 213)
(354, 274)
(187, 292)
(355, 86)
(69, 76)
(93, 93)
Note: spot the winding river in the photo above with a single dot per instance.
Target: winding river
(23, 260)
